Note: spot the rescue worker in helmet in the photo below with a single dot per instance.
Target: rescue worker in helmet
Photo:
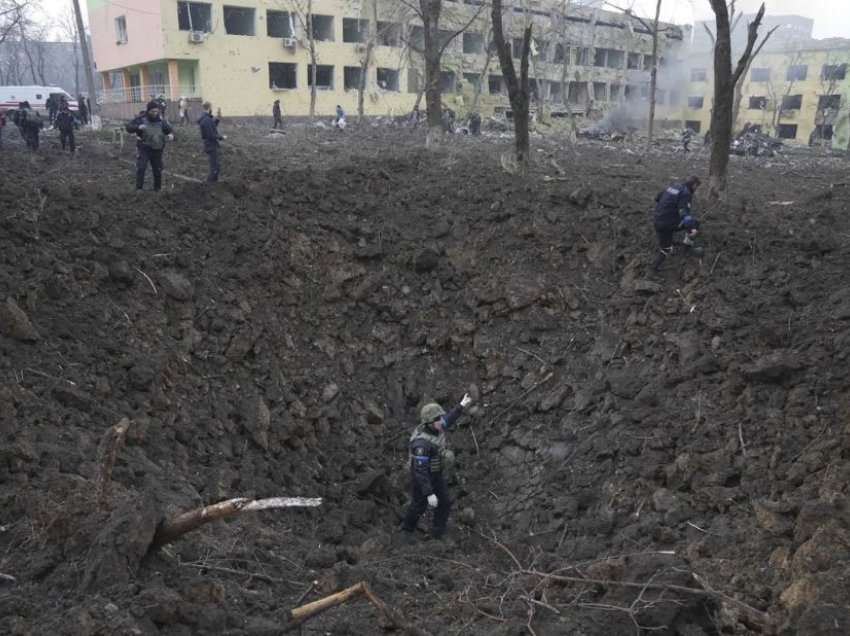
(429, 455)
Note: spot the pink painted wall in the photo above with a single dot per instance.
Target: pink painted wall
(144, 33)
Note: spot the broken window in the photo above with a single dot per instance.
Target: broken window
(414, 81)
(833, 72)
(699, 75)
(600, 91)
(417, 38)
(472, 78)
(824, 131)
(758, 102)
(282, 75)
(389, 34)
(280, 24)
(517, 47)
(615, 91)
(561, 54)
(322, 27)
(355, 30)
(447, 81)
(792, 102)
(324, 76)
(600, 57)
(796, 73)
(630, 91)
(786, 131)
(194, 16)
(351, 77)
(388, 79)
(648, 62)
(238, 20)
(473, 43)
(542, 49)
(582, 57)
(633, 61)
(578, 93)
(829, 102)
(556, 91)
(696, 102)
(616, 59)
(760, 75)
(494, 84)
(693, 125)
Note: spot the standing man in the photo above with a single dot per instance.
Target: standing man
(429, 456)
(52, 109)
(84, 111)
(276, 113)
(66, 123)
(212, 140)
(339, 119)
(152, 133)
(673, 213)
(30, 124)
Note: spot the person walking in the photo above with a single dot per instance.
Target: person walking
(29, 123)
(152, 132)
(183, 107)
(83, 110)
(429, 459)
(673, 213)
(66, 124)
(212, 141)
(277, 114)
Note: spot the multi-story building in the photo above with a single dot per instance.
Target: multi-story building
(244, 54)
(796, 89)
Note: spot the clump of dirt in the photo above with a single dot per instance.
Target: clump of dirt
(660, 453)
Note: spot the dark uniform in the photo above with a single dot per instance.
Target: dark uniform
(672, 213)
(211, 138)
(66, 124)
(276, 113)
(429, 456)
(152, 134)
(30, 124)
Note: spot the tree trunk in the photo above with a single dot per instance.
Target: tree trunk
(87, 65)
(483, 77)
(313, 58)
(653, 76)
(517, 87)
(431, 30)
(367, 60)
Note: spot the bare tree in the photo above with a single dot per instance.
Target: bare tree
(303, 11)
(517, 87)
(829, 109)
(87, 65)
(11, 15)
(483, 76)
(435, 43)
(725, 79)
(68, 29)
(780, 93)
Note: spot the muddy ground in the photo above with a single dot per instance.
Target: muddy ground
(275, 335)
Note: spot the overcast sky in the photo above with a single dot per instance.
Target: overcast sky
(832, 17)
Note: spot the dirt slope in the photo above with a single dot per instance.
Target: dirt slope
(275, 335)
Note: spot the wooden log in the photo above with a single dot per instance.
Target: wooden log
(305, 612)
(172, 529)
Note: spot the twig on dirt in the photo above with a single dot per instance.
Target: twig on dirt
(172, 529)
(696, 527)
(714, 264)
(474, 439)
(250, 575)
(548, 377)
(8, 578)
(741, 438)
(306, 592)
(148, 278)
(533, 355)
(107, 452)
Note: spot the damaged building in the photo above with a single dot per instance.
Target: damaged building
(244, 56)
(797, 89)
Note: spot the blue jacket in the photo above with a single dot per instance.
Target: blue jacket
(672, 205)
(209, 131)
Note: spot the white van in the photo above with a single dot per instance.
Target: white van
(11, 96)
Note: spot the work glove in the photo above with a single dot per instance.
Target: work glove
(466, 401)
(170, 137)
(142, 126)
(432, 501)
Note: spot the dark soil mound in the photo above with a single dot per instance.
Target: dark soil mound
(275, 335)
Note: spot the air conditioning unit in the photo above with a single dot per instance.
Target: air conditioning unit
(196, 37)
(289, 43)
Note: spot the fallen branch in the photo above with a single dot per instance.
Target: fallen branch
(299, 615)
(172, 529)
(107, 452)
(148, 278)
(753, 616)
(8, 578)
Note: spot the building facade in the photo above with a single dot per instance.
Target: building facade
(799, 93)
(244, 54)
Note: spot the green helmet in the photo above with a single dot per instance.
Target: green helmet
(430, 412)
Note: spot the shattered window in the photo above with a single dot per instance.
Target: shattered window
(760, 75)
(796, 73)
(833, 71)
(792, 102)
(698, 75)
(758, 103)
(786, 131)
(282, 75)
(696, 102)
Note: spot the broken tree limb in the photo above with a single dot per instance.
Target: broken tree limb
(110, 444)
(174, 528)
(299, 615)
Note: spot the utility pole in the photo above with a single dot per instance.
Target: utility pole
(84, 49)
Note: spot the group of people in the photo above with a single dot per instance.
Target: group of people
(30, 123)
(56, 103)
(153, 131)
